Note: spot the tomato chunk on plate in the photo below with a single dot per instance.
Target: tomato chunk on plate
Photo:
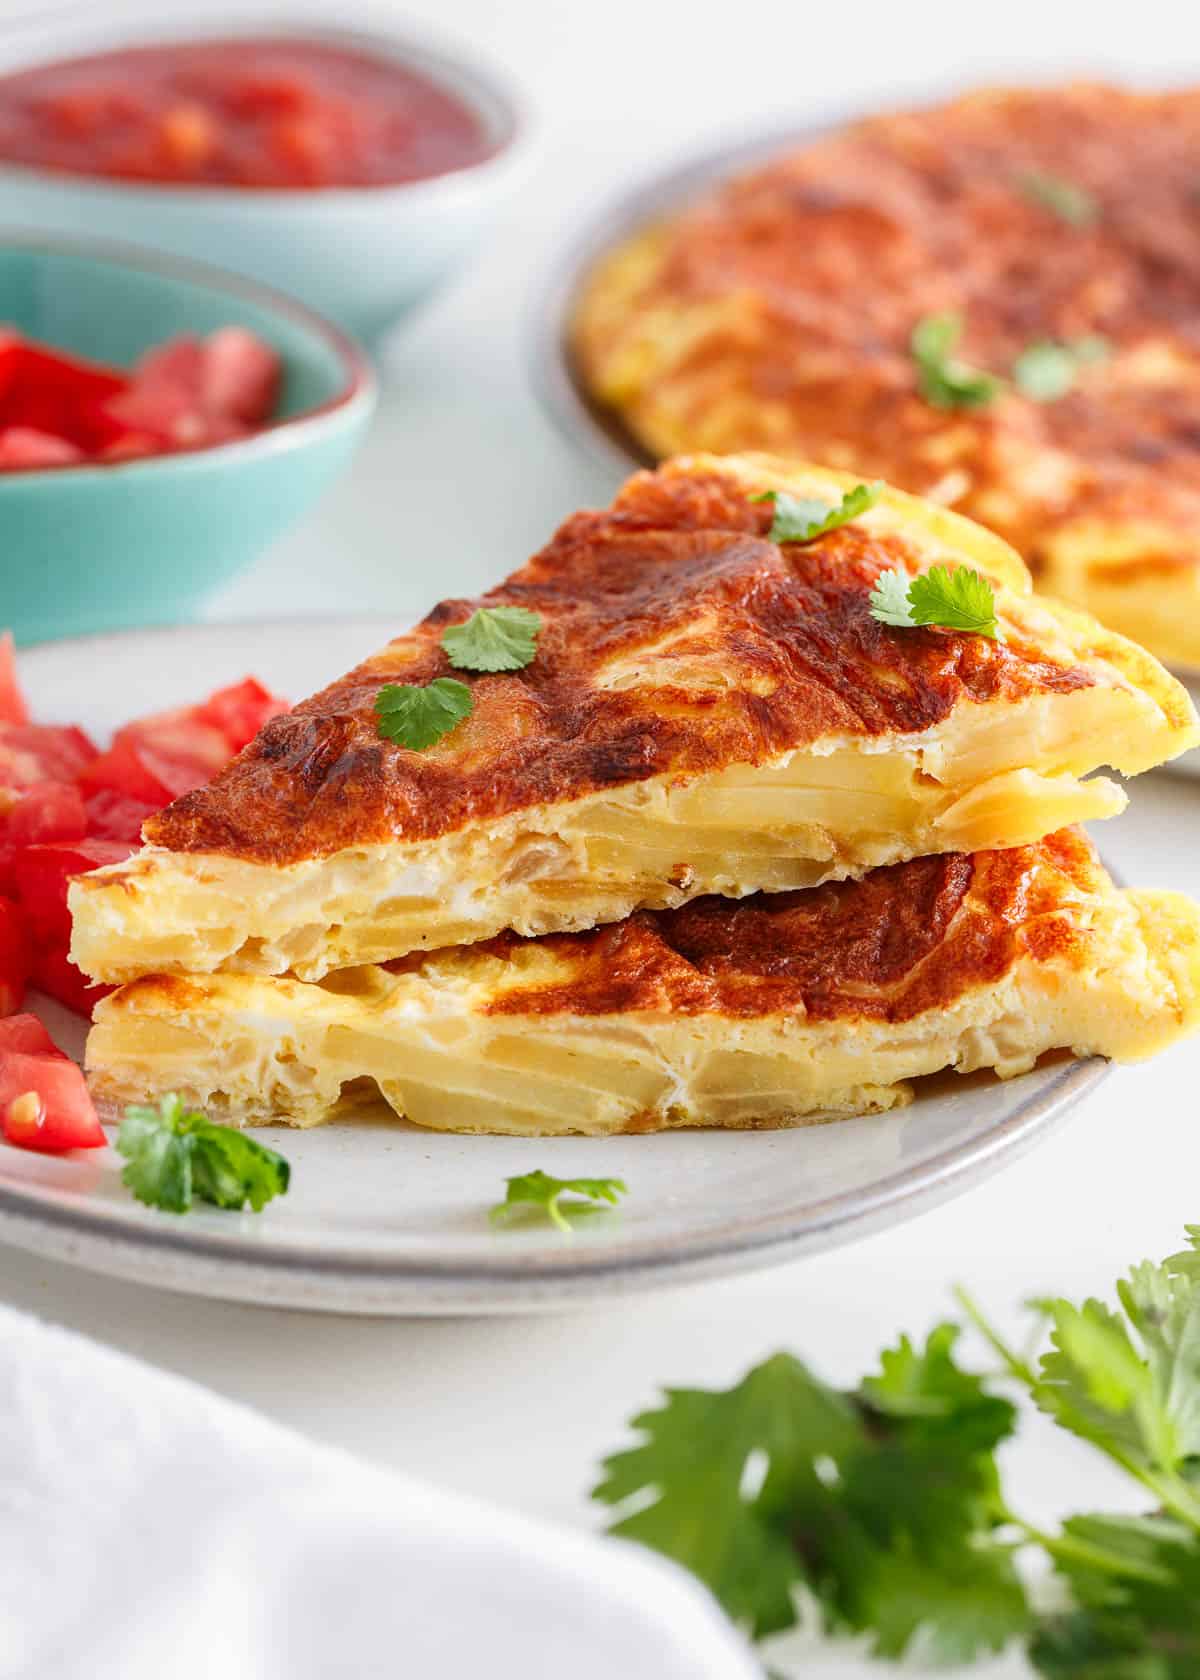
(45, 1104)
(44, 873)
(16, 957)
(26, 1035)
(240, 711)
(12, 702)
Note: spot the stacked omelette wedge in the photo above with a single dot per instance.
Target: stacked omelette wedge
(727, 851)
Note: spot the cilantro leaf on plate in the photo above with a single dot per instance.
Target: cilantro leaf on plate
(416, 715)
(176, 1156)
(1047, 370)
(802, 518)
(942, 378)
(1071, 203)
(945, 598)
(493, 639)
(537, 1191)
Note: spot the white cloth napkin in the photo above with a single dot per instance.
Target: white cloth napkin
(152, 1531)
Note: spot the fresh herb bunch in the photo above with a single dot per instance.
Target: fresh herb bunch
(176, 1155)
(880, 1511)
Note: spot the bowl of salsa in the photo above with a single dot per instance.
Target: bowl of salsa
(352, 168)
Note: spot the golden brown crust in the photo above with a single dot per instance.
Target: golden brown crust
(776, 312)
(679, 574)
(911, 937)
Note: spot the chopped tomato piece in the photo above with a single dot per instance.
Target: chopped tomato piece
(122, 770)
(111, 816)
(55, 974)
(36, 752)
(241, 376)
(45, 1104)
(46, 811)
(44, 873)
(16, 956)
(12, 702)
(22, 447)
(240, 711)
(49, 392)
(26, 1034)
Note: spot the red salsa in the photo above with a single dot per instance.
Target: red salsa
(242, 113)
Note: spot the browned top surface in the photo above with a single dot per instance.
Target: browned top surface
(835, 252)
(767, 648)
(907, 938)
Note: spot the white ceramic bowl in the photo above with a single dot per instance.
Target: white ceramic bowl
(362, 256)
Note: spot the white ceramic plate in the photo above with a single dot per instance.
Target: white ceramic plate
(382, 1217)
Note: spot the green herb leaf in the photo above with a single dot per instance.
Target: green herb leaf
(537, 1191)
(889, 599)
(416, 715)
(177, 1155)
(1135, 1604)
(1070, 203)
(943, 380)
(950, 599)
(493, 639)
(1046, 370)
(801, 518)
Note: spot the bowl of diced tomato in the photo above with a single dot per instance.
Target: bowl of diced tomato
(352, 167)
(160, 424)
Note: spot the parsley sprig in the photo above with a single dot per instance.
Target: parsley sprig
(493, 639)
(942, 378)
(800, 519)
(176, 1155)
(880, 1511)
(947, 598)
(539, 1194)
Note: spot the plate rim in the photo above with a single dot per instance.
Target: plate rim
(274, 1270)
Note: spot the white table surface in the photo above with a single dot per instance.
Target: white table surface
(460, 478)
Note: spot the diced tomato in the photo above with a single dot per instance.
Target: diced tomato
(240, 711)
(55, 974)
(48, 391)
(179, 748)
(26, 1035)
(46, 811)
(111, 816)
(16, 956)
(23, 447)
(241, 376)
(12, 702)
(44, 873)
(37, 752)
(121, 770)
(61, 1114)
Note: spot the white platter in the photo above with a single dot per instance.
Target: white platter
(383, 1218)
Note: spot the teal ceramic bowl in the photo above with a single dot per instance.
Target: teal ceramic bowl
(361, 256)
(146, 541)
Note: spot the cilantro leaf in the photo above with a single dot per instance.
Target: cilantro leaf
(1047, 370)
(696, 1467)
(880, 1503)
(177, 1155)
(802, 518)
(493, 639)
(416, 715)
(1134, 1614)
(958, 599)
(889, 599)
(1070, 203)
(942, 378)
(537, 1190)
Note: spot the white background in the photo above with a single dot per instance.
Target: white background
(459, 479)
